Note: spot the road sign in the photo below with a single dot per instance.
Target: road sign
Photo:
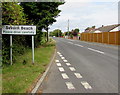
(19, 30)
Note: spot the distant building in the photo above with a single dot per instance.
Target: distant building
(108, 28)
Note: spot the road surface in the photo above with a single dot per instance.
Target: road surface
(81, 67)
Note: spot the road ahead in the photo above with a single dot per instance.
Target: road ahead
(81, 67)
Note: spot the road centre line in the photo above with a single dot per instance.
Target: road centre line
(61, 69)
(96, 50)
(68, 64)
(57, 61)
(78, 45)
(72, 68)
(78, 75)
(65, 60)
(86, 85)
(65, 76)
(59, 64)
(69, 85)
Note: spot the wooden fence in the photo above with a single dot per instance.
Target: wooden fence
(104, 37)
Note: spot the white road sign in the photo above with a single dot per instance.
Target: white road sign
(19, 30)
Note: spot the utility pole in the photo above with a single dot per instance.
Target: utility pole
(68, 29)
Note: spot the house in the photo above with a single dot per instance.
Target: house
(108, 28)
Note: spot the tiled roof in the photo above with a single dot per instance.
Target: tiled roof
(108, 28)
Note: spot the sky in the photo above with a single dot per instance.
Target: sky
(86, 13)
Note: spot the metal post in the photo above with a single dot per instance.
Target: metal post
(11, 49)
(32, 49)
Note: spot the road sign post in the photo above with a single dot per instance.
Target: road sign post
(11, 49)
(32, 49)
(19, 30)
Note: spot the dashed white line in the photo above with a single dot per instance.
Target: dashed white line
(65, 60)
(69, 85)
(78, 45)
(58, 52)
(65, 76)
(96, 50)
(61, 69)
(57, 61)
(78, 75)
(86, 85)
(72, 68)
(62, 57)
(58, 64)
(68, 64)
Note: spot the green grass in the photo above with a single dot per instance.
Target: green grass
(19, 78)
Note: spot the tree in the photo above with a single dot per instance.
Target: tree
(56, 32)
(75, 32)
(12, 14)
(41, 14)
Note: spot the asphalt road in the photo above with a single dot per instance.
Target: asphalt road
(81, 67)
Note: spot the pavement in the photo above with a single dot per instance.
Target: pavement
(80, 67)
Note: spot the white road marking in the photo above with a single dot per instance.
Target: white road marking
(61, 69)
(65, 76)
(78, 45)
(58, 52)
(65, 60)
(58, 64)
(69, 85)
(86, 85)
(96, 50)
(62, 57)
(72, 68)
(78, 75)
(57, 61)
(68, 64)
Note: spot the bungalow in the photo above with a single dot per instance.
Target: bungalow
(108, 28)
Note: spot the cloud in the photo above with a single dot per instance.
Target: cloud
(86, 14)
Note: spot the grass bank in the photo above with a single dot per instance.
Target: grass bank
(20, 77)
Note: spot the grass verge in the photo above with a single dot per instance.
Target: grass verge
(20, 77)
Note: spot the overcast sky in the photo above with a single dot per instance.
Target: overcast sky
(86, 14)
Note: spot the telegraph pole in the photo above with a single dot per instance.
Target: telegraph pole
(68, 28)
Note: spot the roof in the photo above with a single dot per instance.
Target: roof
(108, 28)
